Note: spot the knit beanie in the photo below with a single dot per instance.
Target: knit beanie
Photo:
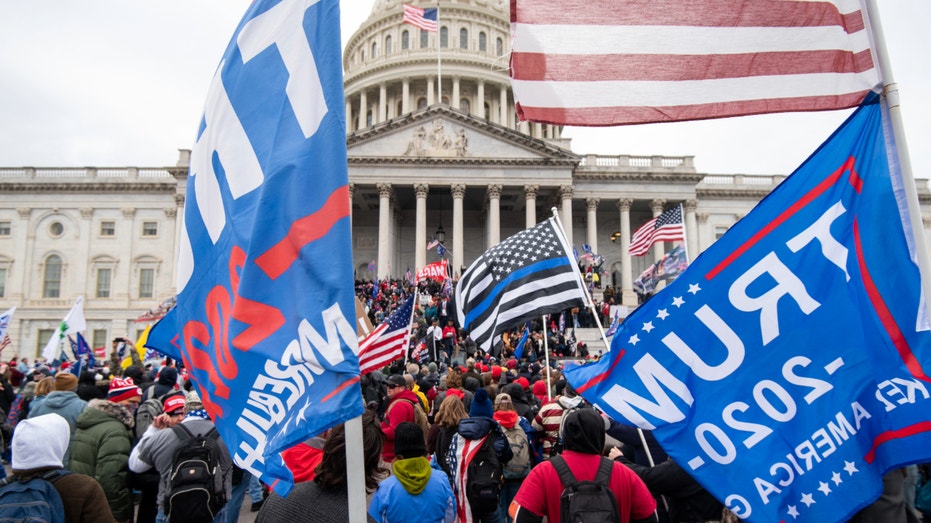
(122, 389)
(481, 405)
(539, 390)
(495, 372)
(192, 402)
(523, 382)
(40, 442)
(409, 441)
(65, 381)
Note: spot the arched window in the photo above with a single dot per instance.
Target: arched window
(405, 40)
(465, 105)
(424, 39)
(421, 103)
(362, 52)
(499, 46)
(444, 37)
(369, 119)
(387, 45)
(482, 42)
(374, 50)
(445, 100)
(400, 108)
(463, 38)
(51, 277)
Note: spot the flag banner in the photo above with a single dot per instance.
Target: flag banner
(73, 323)
(527, 275)
(422, 18)
(666, 227)
(140, 347)
(389, 341)
(5, 342)
(83, 356)
(613, 327)
(265, 318)
(441, 250)
(164, 337)
(5, 319)
(671, 61)
(785, 369)
(562, 322)
(432, 243)
(435, 271)
(158, 312)
(668, 268)
(519, 351)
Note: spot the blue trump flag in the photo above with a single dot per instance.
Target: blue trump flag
(785, 369)
(519, 351)
(265, 314)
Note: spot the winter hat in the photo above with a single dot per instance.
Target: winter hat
(539, 390)
(523, 382)
(173, 403)
(40, 442)
(122, 389)
(481, 405)
(583, 430)
(431, 367)
(192, 402)
(495, 372)
(168, 376)
(65, 381)
(511, 363)
(409, 441)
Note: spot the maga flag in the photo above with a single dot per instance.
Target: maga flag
(264, 319)
(438, 271)
(786, 368)
(639, 61)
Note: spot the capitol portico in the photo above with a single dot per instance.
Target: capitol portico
(430, 146)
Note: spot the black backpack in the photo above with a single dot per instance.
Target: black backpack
(196, 489)
(483, 483)
(586, 501)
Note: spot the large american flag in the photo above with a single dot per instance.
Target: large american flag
(388, 341)
(422, 18)
(640, 61)
(666, 227)
(523, 277)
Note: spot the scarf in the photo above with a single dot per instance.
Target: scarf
(199, 413)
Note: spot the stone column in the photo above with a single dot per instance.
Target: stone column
(384, 229)
(382, 103)
(691, 229)
(530, 200)
(352, 193)
(659, 248)
(458, 191)
(480, 100)
(405, 95)
(591, 205)
(702, 219)
(430, 92)
(503, 106)
(494, 215)
(454, 101)
(565, 215)
(363, 109)
(348, 116)
(538, 130)
(628, 296)
(420, 234)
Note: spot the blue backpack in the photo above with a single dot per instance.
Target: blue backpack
(35, 500)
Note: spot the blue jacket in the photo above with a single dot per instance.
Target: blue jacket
(66, 404)
(392, 503)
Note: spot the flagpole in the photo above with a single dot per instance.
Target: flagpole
(893, 106)
(588, 296)
(439, 77)
(355, 470)
(685, 235)
(546, 355)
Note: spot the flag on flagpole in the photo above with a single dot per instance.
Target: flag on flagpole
(5, 342)
(613, 328)
(437, 270)
(432, 243)
(795, 346)
(527, 275)
(666, 227)
(5, 319)
(441, 250)
(388, 341)
(562, 321)
(264, 319)
(74, 322)
(671, 61)
(519, 350)
(425, 19)
(83, 355)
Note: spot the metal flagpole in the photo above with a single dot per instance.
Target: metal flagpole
(546, 353)
(355, 470)
(439, 76)
(588, 296)
(685, 235)
(893, 106)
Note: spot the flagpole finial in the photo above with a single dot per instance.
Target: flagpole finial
(555, 211)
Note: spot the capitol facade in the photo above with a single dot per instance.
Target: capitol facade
(435, 148)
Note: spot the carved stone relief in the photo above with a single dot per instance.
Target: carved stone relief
(437, 142)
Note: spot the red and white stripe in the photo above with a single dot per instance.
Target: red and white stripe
(465, 451)
(414, 16)
(641, 242)
(380, 348)
(576, 62)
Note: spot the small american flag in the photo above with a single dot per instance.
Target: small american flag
(666, 227)
(388, 341)
(432, 243)
(422, 18)
(5, 343)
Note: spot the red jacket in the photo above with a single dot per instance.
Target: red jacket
(400, 409)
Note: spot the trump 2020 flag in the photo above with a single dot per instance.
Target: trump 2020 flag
(786, 368)
(265, 314)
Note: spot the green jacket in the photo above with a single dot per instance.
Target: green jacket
(100, 448)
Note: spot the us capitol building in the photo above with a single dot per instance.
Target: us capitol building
(432, 153)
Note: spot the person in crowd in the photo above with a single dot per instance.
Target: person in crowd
(63, 401)
(7, 390)
(548, 420)
(101, 445)
(43, 387)
(583, 434)
(166, 382)
(325, 498)
(454, 388)
(88, 388)
(147, 483)
(401, 405)
(416, 492)
(521, 448)
(444, 429)
(39, 445)
(157, 449)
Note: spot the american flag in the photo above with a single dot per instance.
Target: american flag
(432, 243)
(422, 18)
(666, 227)
(641, 61)
(527, 275)
(388, 341)
(5, 342)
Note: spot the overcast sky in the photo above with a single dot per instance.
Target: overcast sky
(122, 83)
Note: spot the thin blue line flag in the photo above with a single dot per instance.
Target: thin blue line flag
(265, 315)
(787, 368)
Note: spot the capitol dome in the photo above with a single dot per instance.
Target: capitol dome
(392, 68)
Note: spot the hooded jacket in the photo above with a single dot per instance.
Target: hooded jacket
(87, 387)
(66, 404)
(100, 449)
(400, 409)
(415, 492)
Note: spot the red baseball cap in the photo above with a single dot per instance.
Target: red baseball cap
(174, 403)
